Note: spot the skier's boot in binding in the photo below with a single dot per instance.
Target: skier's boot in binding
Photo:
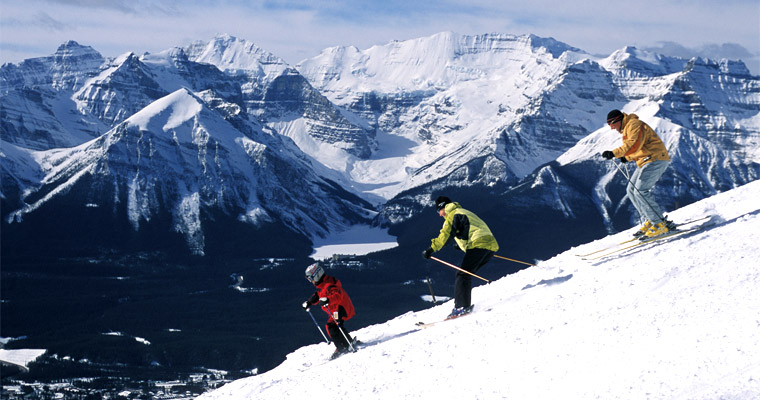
(339, 352)
(355, 343)
(656, 230)
(643, 230)
(459, 311)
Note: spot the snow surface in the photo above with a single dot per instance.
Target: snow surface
(469, 89)
(679, 319)
(20, 357)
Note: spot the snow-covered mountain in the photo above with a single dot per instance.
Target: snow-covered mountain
(201, 154)
(37, 109)
(490, 109)
(178, 158)
(676, 319)
(452, 99)
(514, 119)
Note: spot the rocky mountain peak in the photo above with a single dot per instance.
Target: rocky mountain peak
(225, 131)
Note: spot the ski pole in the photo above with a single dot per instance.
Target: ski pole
(340, 329)
(318, 328)
(625, 172)
(517, 261)
(637, 189)
(431, 290)
(459, 269)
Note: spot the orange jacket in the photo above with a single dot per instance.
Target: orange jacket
(640, 142)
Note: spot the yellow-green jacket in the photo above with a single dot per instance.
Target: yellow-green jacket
(469, 231)
(640, 142)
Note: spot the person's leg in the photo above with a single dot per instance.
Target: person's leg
(337, 337)
(633, 195)
(646, 179)
(474, 259)
(462, 289)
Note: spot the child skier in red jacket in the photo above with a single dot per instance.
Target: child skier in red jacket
(335, 302)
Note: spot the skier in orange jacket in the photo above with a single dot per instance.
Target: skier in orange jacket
(641, 144)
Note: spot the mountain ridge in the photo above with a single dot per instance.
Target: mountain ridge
(392, 124)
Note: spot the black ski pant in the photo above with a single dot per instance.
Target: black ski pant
(474, 259)
(334, 330)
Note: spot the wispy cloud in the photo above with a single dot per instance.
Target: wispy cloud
(136, 7)
(45, 21)
(297, 29)
(717, 51)
(120, 5)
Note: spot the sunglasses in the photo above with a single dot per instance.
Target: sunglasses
(614, 120)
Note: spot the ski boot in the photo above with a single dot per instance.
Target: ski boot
(643, 230)
(459, 311)
(656, 230)
(339, 352)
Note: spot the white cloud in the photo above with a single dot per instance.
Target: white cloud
(299, 29)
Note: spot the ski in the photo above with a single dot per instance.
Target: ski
(429, 324)
(641, 243)
(335, 355)
(424, 325)
(355, 345)
(636, 239)
(607, 248)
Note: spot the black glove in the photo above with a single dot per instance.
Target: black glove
(427, 253)
(623, 160)
(314, 298)
(323, 301)
(608, 155)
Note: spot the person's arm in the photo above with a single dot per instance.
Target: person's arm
(444, 236)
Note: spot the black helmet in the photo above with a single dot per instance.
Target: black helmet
(314, 273)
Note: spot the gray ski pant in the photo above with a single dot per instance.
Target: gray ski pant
(644, 179)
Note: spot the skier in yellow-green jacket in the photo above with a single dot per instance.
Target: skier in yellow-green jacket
(472, 236)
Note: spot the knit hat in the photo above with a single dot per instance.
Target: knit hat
(441, 202)
(614, 116)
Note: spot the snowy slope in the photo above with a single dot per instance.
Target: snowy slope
(441, 101)
(234, 55)
(20, 357)
(674, 320)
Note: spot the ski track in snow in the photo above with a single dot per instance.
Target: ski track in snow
(677, 320)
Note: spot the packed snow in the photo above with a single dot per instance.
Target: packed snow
(674, 319)
(20, 357)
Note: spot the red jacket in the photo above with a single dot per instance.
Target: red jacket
(331, 288)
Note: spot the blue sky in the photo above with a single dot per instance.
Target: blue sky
(298, 29)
